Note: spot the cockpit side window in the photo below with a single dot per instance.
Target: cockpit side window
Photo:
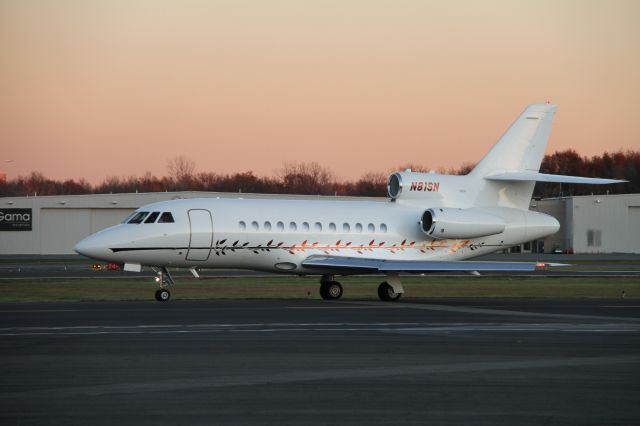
(166, 217)
(126, 219)
(138, 217)
(152, 217)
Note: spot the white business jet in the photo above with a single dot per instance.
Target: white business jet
(430, 223)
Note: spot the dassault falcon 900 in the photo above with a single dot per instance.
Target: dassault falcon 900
(432, 222)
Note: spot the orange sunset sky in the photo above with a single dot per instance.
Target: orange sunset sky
(90, 89)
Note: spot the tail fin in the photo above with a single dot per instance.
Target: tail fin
(519, 150)
(508, 173)
(522, 147)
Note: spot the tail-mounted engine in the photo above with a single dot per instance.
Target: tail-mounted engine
(442, 223)
(414, 185)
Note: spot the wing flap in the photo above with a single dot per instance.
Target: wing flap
(382, 265)
(542, 177)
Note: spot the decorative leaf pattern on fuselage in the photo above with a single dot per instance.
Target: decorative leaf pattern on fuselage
(221, 249)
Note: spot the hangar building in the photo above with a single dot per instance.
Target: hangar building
(593, 223)
(52, 225)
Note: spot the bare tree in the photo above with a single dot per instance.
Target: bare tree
(180, 169)
(306, 178)
(372, 184)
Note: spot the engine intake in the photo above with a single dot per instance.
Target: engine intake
(442, 223)
(410, 185)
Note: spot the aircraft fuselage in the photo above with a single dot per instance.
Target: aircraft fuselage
(277, 235)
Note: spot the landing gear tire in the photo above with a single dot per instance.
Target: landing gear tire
(162, 295)
(330, 290)
(164, 280)
(386, 293)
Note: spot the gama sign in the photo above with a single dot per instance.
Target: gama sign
(15, 219)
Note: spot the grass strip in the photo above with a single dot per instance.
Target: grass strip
(307, 288)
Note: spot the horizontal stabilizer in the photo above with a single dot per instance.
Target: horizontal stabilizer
(382, 265)
(541, 177)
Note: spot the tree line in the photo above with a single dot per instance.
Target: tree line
(314, 179)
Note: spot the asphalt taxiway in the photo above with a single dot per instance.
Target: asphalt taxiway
(451, 361)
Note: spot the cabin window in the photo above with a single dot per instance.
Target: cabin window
(280, 226)
(242, 225)
(332, 227)
(139, 217)
(254, 225)
(346, 227)
(317, 227)
(152, 217)
(166, 217)
(293, 227)
(383, 228)
(267, 226)
(305, 226)
(358, 227)
(371, 227)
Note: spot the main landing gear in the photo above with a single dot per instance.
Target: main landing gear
(391, 289)
(388, 291)
(164, 280)
(330, 289)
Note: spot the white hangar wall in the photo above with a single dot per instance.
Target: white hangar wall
(59, 222)
(594, 223)
(60, 228)
(606, 224)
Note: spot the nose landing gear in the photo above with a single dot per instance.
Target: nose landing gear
(164, 280)
(162, 295)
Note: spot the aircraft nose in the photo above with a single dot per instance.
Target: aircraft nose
(92, 247)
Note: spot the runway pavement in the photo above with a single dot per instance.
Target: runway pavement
(455, 361)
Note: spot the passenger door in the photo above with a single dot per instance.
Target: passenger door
(201, 227)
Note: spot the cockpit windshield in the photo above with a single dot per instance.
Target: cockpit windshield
(126, 219)
(138, 217)
(166, 217)
(152, 217)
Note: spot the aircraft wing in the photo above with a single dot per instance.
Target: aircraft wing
(542, 177)
(354, 264)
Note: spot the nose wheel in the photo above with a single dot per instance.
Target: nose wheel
(164, 280)
(162, 295)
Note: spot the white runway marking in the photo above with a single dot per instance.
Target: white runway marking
(33, 311)
(383, 327)
(620, 306)
(499, 312)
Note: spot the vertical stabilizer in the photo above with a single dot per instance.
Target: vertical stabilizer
(522, 147)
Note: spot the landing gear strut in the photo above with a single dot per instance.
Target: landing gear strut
(330, 289)
(164, 280)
